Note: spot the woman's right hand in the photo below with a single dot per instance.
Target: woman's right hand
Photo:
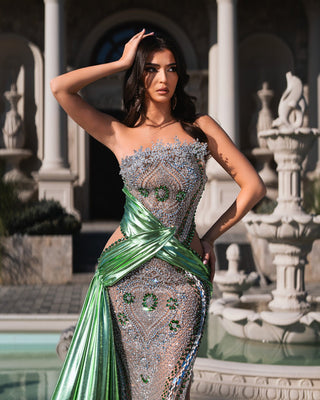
(208, 257)
(130, 48)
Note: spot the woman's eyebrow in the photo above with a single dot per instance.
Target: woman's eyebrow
(157, 65)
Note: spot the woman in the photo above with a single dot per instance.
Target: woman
(142, 320)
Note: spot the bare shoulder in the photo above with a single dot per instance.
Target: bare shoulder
(215, 133)
(205, 122)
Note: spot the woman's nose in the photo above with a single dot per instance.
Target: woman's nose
(163, 75)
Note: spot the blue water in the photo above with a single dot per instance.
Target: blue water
(219, 345)
(29, 365)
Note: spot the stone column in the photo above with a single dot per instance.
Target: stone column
(228, 68)
(313, 13)
(54, 178)
(221, 190)
(212, 61)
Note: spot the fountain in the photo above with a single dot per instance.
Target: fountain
(290, 232)
(232, 283)
(260, 151)
(251, 351)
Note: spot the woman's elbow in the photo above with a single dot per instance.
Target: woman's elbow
(260, 189)
(54, 86)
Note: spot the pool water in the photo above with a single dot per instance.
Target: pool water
(29, 365)
(219, 345)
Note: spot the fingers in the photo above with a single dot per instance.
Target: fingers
(209, 258)
(141, 35)
(212, 265)
(206, 257)
(148, 34)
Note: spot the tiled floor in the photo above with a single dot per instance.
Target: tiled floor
(45, 299)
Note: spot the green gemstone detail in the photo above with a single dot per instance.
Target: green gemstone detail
(144, 192)
(172, 303)
(180, 195)
(174, 325)
(149, 301)
(123, 319)
(128, 298)
(145, 378)
(162, 193)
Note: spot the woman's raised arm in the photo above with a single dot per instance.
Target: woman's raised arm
(65, 88)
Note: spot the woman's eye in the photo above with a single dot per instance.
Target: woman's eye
(150, 69)
(173, 69)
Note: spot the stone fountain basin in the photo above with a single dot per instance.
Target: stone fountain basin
(267, 326)
(230, 368)
(235, 282)
(275, 226)
(286, 139)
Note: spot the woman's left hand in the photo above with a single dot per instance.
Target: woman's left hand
(208, 257)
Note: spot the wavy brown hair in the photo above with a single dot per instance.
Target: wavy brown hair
(133, 88)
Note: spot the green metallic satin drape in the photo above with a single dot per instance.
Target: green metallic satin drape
(90, 369)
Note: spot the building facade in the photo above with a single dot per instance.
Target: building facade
(231, 48)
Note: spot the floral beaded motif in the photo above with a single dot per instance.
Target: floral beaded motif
(144, 192)
(162, 193)
(123, 319)
(180, 195)
(128, 298)
(174, 325)
(172, 303)
(150, 302)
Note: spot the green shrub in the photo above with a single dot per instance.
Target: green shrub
(265, 206)
(44, 217)
(9, 204)
(311, 198)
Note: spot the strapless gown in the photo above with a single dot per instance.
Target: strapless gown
(144, 314)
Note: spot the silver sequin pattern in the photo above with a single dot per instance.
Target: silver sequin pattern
(159, 310)
(169, 180)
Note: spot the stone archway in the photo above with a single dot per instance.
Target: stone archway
(102, 184)
(132, 15)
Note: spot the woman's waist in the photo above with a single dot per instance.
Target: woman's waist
(193, 243)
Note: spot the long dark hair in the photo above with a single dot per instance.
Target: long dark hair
(133, 88)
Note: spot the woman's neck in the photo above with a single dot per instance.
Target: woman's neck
(159, 114)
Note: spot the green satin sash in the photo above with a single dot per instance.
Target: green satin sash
(90, 368)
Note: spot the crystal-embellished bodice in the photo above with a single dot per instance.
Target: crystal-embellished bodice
(168, 179)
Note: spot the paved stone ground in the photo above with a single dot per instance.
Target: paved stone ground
(68, 299)
(45, 299)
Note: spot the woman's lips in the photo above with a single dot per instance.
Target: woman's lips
(162, 91)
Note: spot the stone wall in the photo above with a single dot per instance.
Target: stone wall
(36, 259)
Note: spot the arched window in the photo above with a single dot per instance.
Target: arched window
(110, 46)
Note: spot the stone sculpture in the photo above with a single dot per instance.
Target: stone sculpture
(290, 232)
(13, 132)
(292, 105)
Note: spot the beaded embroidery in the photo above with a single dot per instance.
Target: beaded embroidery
(159, 308)
(173, 174)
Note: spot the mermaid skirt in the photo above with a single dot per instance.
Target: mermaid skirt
(157, 318)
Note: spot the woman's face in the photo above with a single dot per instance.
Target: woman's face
(160, 76)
